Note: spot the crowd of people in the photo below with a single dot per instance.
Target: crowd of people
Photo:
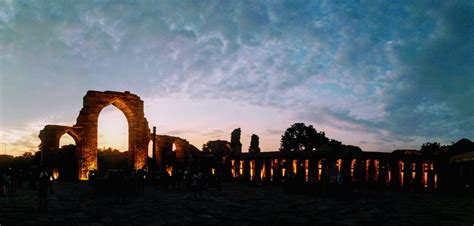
(118, 184)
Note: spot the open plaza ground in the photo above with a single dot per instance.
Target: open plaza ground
(235, 204)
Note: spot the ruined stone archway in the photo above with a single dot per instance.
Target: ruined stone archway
(50, 136)
(85, 130)
(164, 150)
(138, 132)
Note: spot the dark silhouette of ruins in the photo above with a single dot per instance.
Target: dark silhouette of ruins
(84, 133)
(318, 160)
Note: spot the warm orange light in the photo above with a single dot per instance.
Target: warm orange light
(339, 165)
(241, 167)
(376, 164)
(306, 169)
(55, 174)
(295, 166)
(320, 169)
(353, 163)
(401, 167)
(213, 171)
(413, 173)
(283, 172)
(425, 175)
(233, 168)
(436, 180)
(367, 163)
(262, 172)
(169, 170)
(252, 169)
(272, 164)
(401, 180)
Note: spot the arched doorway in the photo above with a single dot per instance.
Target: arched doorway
(138, 131)
(112, 129)
(85, 133)
(65, 168)
(66, 139)
(112, 140)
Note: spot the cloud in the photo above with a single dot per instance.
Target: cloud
(178, 132)
(275, 131)
(398, 72)
(214, 133)
(434, 79)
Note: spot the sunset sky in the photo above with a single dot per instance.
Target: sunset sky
(382, 75)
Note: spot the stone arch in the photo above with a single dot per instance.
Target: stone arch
(138, 132)
(165, 155)
(50, 136)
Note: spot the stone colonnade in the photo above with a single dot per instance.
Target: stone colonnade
(366, 168)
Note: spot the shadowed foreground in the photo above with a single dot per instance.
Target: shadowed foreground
(237, 204)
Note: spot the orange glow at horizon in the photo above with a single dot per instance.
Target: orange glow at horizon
(112, 129)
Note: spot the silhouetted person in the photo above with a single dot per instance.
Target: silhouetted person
(197, 186)
(43, 185)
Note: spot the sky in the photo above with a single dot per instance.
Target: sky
(381, 75)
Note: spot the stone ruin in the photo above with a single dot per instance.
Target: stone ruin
(84, 132)
(254, 144)
(179, 155)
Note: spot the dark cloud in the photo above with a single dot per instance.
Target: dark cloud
(431, 95)
(394, 70)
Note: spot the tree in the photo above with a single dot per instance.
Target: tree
(300, 137)
(430, 149)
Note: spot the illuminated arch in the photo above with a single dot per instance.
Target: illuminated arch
(85, 131)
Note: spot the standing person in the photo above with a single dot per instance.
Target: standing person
(43, 186)
(197, 186)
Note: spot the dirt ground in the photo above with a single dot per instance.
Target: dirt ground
(236, 204)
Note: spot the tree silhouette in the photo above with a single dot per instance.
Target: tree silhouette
(300, 137)
(430, 149)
